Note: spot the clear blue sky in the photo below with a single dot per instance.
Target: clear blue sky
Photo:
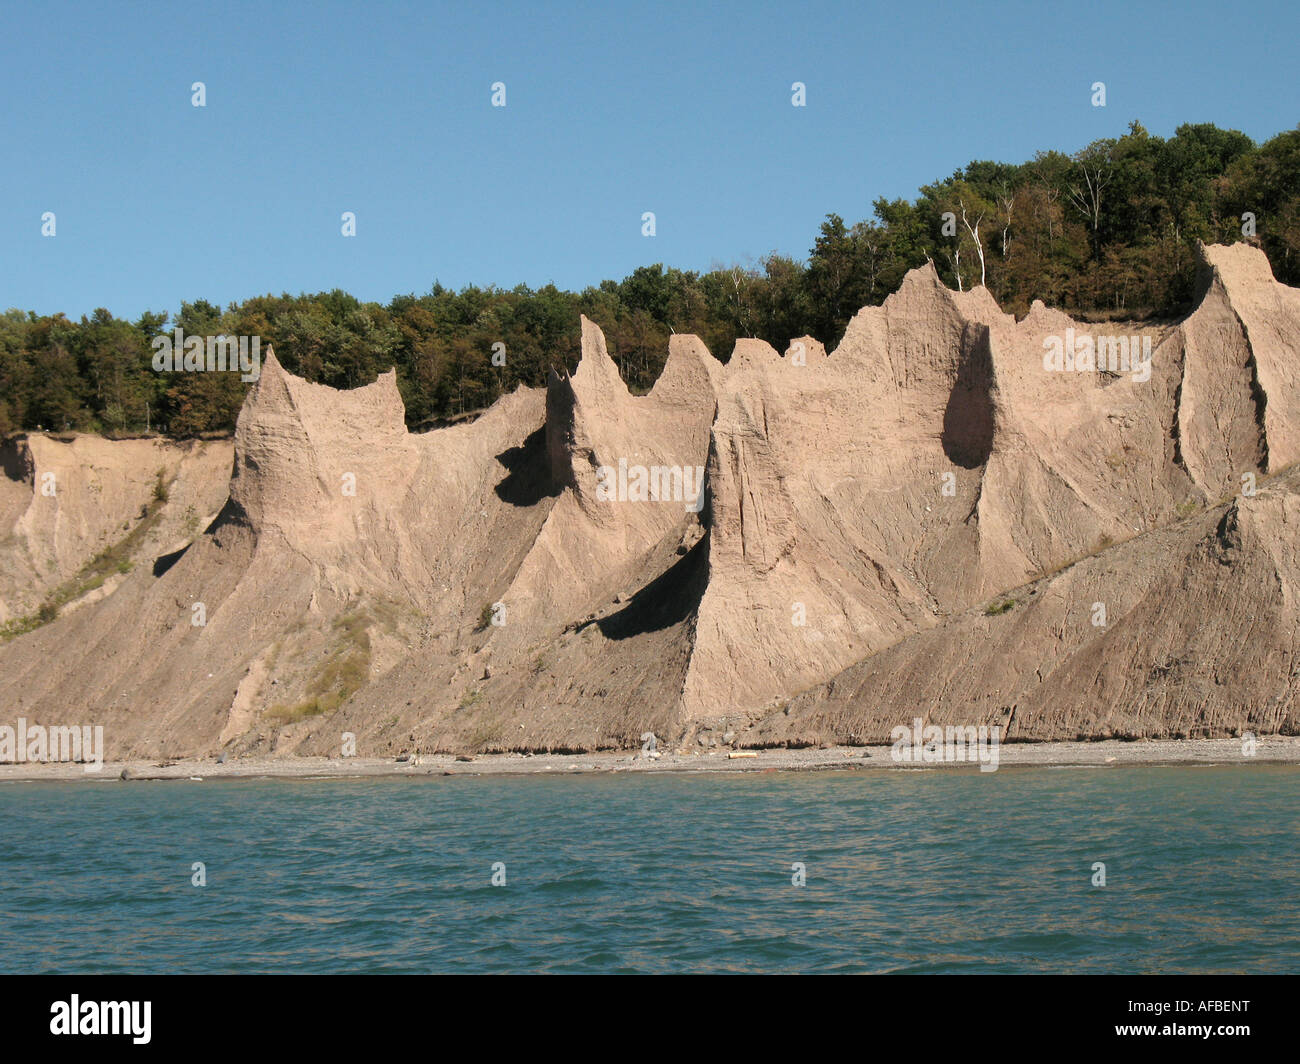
(612, 109)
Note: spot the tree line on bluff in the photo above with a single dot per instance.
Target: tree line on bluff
(1109, 231)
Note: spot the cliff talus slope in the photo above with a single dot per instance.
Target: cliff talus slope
(1065, 529)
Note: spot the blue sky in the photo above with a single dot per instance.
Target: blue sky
(612, 110)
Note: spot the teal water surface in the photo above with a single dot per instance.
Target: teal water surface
(905, 872)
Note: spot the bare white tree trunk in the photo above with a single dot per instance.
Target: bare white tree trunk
(1007, 200)
(975, 235)
(955, 259)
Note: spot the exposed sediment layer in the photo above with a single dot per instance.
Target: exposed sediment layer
(924, 522)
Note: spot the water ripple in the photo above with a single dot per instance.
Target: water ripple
(905, 872)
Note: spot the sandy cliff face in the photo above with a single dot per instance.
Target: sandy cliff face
(63, 501)
(922, 523)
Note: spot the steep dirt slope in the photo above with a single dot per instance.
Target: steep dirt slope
(547, 576)
(65, 500)
(1186, 631)
(594, 640)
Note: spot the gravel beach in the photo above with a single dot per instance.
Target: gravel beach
(1268, 750)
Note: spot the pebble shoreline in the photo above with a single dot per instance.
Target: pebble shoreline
(1269, 750)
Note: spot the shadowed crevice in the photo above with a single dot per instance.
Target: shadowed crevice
(667, 600)
(164, 562)
(968, 418)
(528, 473)
(16, 460)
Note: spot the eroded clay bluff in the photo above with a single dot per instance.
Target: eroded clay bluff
(923, 523)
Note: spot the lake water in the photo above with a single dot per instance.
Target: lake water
(918, 871)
